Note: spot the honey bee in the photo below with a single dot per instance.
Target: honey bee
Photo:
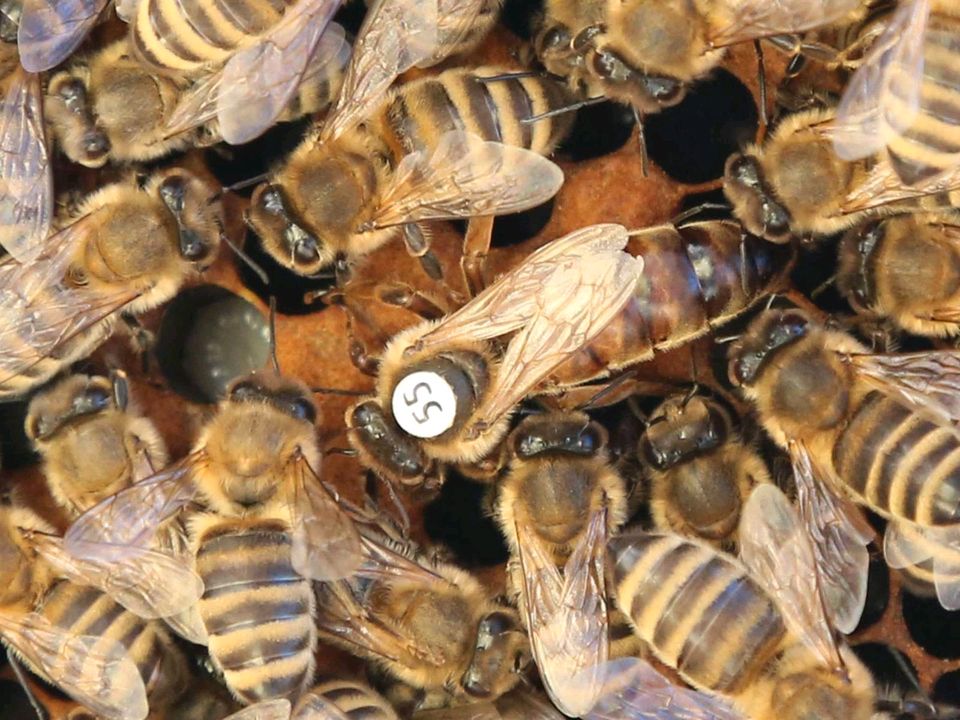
(700, 472)
(646, 53)
(557, 505)
(878, 429)
(458, 145)
(72, 634)
(264, 527)
(442, 392)
(126, 250)
(753, 637)
(92, 444)
(899, 100)
(427, 624)
(329, 698)
(904, 268)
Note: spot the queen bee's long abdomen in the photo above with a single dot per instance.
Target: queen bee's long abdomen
(257, 609)
(699, 611)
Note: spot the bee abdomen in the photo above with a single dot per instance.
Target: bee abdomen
(174, 35)
(258, 612)
(355, 700)
(698, 610)
(900, 462)
(420, 112)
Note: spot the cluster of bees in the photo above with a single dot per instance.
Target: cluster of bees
(679, 577)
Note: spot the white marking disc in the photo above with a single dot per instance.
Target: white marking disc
(424, 404)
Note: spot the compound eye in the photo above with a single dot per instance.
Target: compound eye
(775, 219)
(95, 144)
(555, 38)
(172, 191)
(303, 409)
(662, 89)
(794, 323)
(744, 170)
(96, 398)
(271, 201)
(306, 251)
(246, 391)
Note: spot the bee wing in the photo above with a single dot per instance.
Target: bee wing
(52, 29)
(883, 186)
(395, 36)
(26, 183)
(124, 524)
(313, 707)
(39, 311)
(94, 671)
(775, 546)
(883, 96)
(567, 616)
(259, 81)
(455, 19)
(465, 176)
(473, 711)
(148, 583)
(126, 9)
(753, 19)
(839, 536)
(906, 544)
(634, 690)
(927, 382)
(278, 709)
(326, 544)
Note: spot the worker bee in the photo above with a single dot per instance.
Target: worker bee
(71, 633)
(751, 635)
(92, 444)
(700, 472)
(558, 503)
(443, 393)
(899, 102)
(795, 186)
(264, 527)
(329, 698)
(127, 249)
(876, 428)
(457, 145)
(906, 269)
(428, 625)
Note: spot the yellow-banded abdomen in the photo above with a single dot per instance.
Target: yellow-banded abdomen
(697, 609)
(183, 37)
(899, 462)
(258, 611)
(356, 700)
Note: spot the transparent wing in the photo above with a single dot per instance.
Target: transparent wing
(927, 382)
(883, 96)
(751, 19)
(473, 711)
(634, 690)
(314, 707)
(148, 583)
(567, 616)
(189, 625)
(259, 81)
(905, 545)
(455, 19)
(839, 536)
(465, 176)
(514, 299)
(52, 29)
(96, 672)
(124, 524)
(39, 311)
(264, 710)
(326, 544)
(395, 36)
(26, 182)
(776, 548)
(126, 9)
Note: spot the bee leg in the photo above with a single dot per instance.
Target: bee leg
(360, 356)
(417, 240)
(142, 339)
(761, 83)
(642, 139)
(476, 244)
(24, 683)
(409, 298)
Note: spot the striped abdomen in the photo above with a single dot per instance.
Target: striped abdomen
(186, 35)
(900, 463)
(357, 701)
(87, 611)
(420, 112)
(257, 609)
(697, 609)
(694, 279)
(931, 144)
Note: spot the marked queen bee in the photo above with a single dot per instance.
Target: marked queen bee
(127, 249)
(262, 527)
(444, 392)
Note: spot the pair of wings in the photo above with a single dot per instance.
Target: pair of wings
(555, 302)
(121, 533)
(257, 82)
(40, 310)
(748, 20)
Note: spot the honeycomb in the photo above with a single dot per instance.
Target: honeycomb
(222, 318)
